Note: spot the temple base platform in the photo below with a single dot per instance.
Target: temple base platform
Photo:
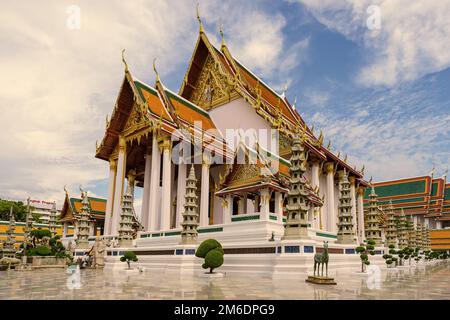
(248, 248)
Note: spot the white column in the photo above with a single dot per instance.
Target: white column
(241, 208)
(316, 212)
(438, 224)
(279, 206)
(166, 184)
(204, 193)
(353, 203)
(118, 192)
(265, 204)
(361, 231)
(110, 201)
(64, 231)
(181, 192)
(154, 183)
(227, 205)
(331, 214)
(145, 217)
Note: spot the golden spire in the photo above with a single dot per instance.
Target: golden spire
(65, 189)
(199, 20)
(329, 144)
(320, 139)
(345, 159)
(123, 60)
(156, 71)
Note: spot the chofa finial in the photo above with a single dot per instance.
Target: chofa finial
(221, 35)
(198, 18)
(123, 60)
(156, 71)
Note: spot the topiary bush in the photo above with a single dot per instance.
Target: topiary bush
(210, 250)
(129, 256)
(42, 251)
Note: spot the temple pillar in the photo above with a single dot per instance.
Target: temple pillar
(438, 224)
(331, 214)
(227, 206)
(146, 192)
(204, 195)
(110, 201)
(64, 229)
(241, 207)
(315, 216)
(352, 181)
(154, 184)
(120, 177)
(279, 206)
(181, 192)
(166, 184)
(265, 204)
(361, 231)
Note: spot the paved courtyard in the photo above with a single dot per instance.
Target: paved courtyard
(423, 282)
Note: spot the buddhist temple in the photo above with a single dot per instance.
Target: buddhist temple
(154, 134)
(71, 210)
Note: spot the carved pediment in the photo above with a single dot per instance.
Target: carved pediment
(243, 173)
(212, 87)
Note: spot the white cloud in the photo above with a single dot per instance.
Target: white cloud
(255, 38)
(412, 40)
(58, 84)
(389, 146)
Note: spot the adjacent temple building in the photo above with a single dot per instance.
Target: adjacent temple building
(424, 199)
(155, 134)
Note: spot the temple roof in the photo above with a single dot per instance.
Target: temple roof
(254, 90)
(72, 206)
(158, 106)
(267, 171)
(422, 195)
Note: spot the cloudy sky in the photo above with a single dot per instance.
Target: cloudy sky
(380, 94)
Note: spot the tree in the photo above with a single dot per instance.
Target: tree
(388, 259)
(19, 208)
(364, 251)
(210, 250)
(127, 257)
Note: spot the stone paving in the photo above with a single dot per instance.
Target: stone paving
(421, 282)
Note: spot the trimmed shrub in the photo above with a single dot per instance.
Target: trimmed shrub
(207, 246)
(42, 251)
(213, 259)
(211, 250)
(129, 256)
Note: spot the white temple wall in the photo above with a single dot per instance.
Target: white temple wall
(173, 194)
(238, 114)
(322, 192)
(218, 211)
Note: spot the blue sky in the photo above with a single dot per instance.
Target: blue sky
(381, 95)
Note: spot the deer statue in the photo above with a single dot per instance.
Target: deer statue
(321, 258)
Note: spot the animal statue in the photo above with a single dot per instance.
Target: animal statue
(9, 261)
(321, 259)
